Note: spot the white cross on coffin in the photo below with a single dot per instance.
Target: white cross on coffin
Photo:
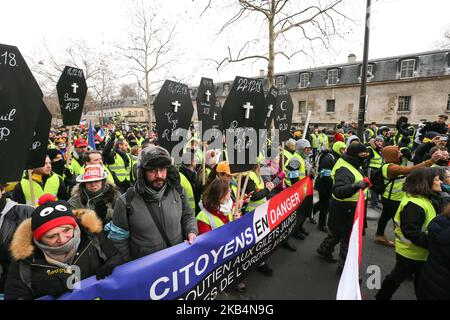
(247, 108)
(270, 111)
(75, 87)
(207, 94)
(176, 104)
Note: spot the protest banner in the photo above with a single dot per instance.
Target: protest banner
(216, 260)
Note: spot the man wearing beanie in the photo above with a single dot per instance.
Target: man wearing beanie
(44, 181)
(348, 179)
(11, 215)
(56, 248)
(324, 182)
(59, 165)
(395, 174)
(154, 214)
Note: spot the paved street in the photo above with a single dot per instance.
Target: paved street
(304, 275)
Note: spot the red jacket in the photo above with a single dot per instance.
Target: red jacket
(203, 227)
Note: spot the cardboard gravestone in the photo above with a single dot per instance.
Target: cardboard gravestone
(283, 114)
(243, 115)
(271, 104)
(38, 148)
(20, 100)
(209, 110)
(173, 110)
(72, 89)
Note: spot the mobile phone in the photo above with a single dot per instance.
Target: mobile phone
(444, 138)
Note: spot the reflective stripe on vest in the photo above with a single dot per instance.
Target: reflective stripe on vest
(300, 173)
(51, 186)
(403, 246)
(397, 189)
(118, 167)
(358, 177)
(252, 205)
(189, 192)
(211, 220)
(376, 161)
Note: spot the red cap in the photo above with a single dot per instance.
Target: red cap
(80, 142)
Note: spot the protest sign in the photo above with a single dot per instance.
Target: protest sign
(72, 89)
(38, 148)
(283, 114)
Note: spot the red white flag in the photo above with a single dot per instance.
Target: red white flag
(348, 288)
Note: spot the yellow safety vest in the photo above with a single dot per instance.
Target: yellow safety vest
(403, 246)
(300, 173)
(358, 177)
(189, 192)
(376, 161)
(75, 166)
(51, 187)
(211, 220)
(323, 142)
(396, 185)
(118, 167)
(314, 141)
(253, 204)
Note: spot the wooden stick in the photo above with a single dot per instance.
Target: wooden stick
(204, 162)
(30, 180)
(69, 146)
(247, 175)
(236, 206)
(283, 165)
(306, 124)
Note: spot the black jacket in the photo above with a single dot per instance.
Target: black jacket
(11, 220)
(412, 218)
(434, 126)
(434, 283)
(327, 160)
(95, 251)
(422, 152)
(196, 185)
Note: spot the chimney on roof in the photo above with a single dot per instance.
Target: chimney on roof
(351, 58)
(262, 73)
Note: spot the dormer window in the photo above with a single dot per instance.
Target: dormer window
(226, 89)
(280, 82)
(333, 76)
(407, 68)
(304, 80)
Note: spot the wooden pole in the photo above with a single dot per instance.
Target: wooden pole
(69, 146)
(30, 181)
(306, 124)
(204, 162)
(283, 165)
(236, 206)
(247, 175)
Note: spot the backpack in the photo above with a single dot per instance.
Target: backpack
(378, 181)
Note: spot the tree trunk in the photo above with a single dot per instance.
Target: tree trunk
(271, 65)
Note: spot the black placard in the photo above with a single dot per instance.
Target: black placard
(72, 89)
(271, 105)
(20, 98)
(283, 114)
(243, 115)
(38, 148)
(209, 111)
(173, 110)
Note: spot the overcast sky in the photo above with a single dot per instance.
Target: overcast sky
(398, 27)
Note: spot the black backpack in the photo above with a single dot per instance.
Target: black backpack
(379, 182)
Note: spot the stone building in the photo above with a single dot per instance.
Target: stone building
(130, 110)
(415, 85)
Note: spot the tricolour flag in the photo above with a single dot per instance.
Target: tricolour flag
(100, 135)
(83, 123)
(348, 288)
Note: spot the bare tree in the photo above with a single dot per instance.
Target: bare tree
(104, 85)
(314, 21)
(148, 48)
(445, 44)
(127, 91)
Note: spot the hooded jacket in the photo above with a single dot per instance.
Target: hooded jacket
(137, 235)
(94, 251)
(390, 155)
(434, 283)
(103, 204)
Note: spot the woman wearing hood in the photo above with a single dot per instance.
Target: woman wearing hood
(394, 174)
(94, 192)
(324, 182)
(348, 179)
(56, 248)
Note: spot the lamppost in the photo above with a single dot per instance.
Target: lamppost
(363, 94)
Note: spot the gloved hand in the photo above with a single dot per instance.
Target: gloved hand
(369, 183)
(101, 209)
(360, 185)
(104, 271)
(281, 175)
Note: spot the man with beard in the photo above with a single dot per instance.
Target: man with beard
(348, 179)
(94, 192)
(11, 215)
(154, 214)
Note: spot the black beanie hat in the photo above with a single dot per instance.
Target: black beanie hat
(355, 148)
(53, 153)
(51, 215)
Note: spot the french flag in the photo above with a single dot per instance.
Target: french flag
(83, 123)
(348, 288)
(100, 135)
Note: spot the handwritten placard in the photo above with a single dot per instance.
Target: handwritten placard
(38, 148)
(72, 89)
(283, 114)
(209, 111)
(20, 97)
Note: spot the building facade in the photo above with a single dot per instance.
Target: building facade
(416, 86)
(129, 110)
